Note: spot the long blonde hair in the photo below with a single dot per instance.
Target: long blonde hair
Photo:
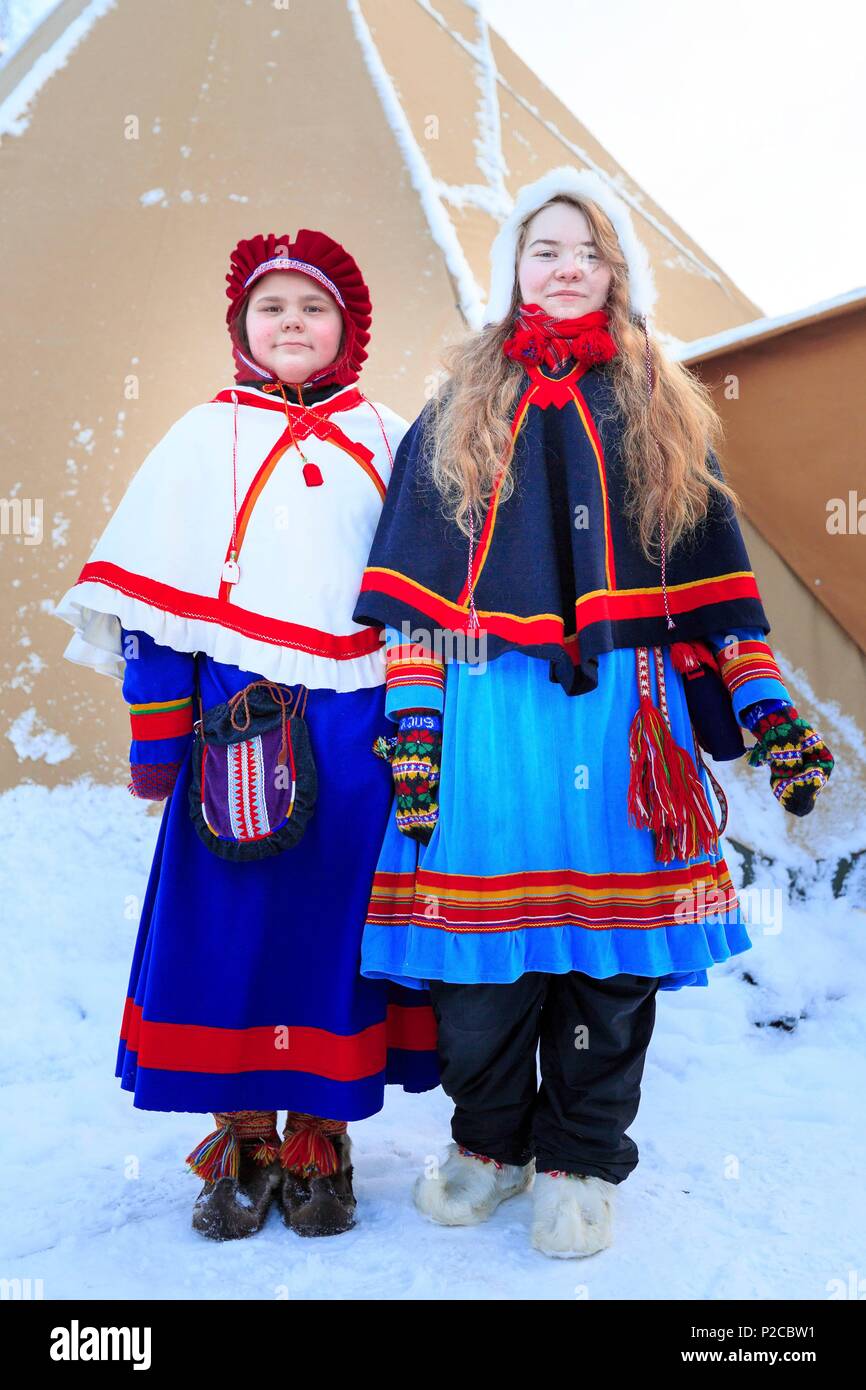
(665, 439)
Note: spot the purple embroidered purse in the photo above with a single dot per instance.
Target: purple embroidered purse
(254, 784)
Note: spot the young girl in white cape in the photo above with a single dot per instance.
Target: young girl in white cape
(571, 614)
(221, 592)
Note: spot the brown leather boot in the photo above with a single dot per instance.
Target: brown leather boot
(240, 1161)
(234, 1207)
(317, 1202)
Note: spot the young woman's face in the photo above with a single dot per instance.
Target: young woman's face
(550, 270)
(293, 325)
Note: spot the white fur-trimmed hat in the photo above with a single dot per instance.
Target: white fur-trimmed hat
(583, 183)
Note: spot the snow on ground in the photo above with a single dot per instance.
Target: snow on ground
(749, 1184)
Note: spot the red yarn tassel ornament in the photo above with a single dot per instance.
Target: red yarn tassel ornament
(688, 657)
(307, 1148)
(665, 794)
(218, 1154)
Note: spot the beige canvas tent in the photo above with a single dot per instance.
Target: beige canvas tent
(788, 392)
(139, 142)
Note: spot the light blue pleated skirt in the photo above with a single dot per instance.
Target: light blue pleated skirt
(533, 865)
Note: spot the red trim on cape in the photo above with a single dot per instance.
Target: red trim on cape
(181, 604)
(483, 547)
(545, 391)
(543, 627)
(622, 604)
(359, 454)
(595, 440)
(602, 605)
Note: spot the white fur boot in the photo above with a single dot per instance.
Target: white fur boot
(572, 1216)
(467, 1190)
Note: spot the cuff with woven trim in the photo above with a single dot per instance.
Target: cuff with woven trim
(161, 719)
(745, 660)
(414, 679)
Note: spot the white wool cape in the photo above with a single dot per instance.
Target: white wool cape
(158, 566)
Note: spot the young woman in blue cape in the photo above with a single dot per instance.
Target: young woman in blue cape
(570, 616)
(232, 565)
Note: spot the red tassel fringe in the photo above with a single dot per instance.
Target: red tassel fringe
(688, 657)
(218, 1154)
(665, 794)
(307, 1147)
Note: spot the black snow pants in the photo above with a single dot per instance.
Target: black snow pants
(593, 1037)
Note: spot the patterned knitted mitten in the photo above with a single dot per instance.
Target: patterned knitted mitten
(415, 754)
(798, 758)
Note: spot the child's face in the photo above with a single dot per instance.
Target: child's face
(550, 270)
(293, 325)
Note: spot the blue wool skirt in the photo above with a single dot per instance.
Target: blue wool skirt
(533, 865)
(245, 991)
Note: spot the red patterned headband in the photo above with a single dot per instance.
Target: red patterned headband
(281, 260)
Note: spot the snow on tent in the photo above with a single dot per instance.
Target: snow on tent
(136, 150)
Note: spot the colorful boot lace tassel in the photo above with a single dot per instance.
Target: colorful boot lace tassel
(218, 1155)
(307, 1148)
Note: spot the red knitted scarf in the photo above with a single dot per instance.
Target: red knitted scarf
(539, 337)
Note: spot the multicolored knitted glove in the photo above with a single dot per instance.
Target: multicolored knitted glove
(799, 760)
(415, 754)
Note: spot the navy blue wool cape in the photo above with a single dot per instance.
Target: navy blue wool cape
(558, 571)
